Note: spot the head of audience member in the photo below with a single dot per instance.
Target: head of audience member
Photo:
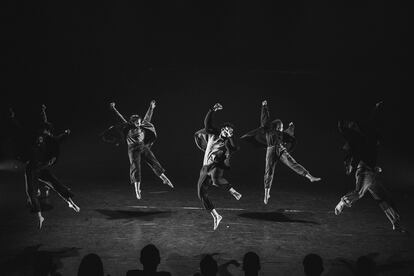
(251, 264)
(208, 266)
(150, 258)
(43, 264)
(312, 265)
(365, 266)
(91, 265)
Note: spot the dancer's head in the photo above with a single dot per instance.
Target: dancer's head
(150, 257)
(277, 124)
(135, 119)
(347, 124)
(227, 130)
(313, 265)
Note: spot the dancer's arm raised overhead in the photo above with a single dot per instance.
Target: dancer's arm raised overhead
(112, 106)
(208, 120)
(148, 115)
(44, 116)
(264, 118)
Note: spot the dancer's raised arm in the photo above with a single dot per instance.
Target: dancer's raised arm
(208, 120)
(112, 106)
(148, 115)
(44, 116)
(264, 118)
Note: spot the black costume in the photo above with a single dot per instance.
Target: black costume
(39, 156)
(361, 150)
(217, 154)
(278, 144)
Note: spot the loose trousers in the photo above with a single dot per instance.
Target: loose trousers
(275, 153)
(135, 154)
(210, 175)
(43, 177)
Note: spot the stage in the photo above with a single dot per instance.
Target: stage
(298, 220)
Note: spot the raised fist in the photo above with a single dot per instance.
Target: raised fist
(291, 124)
(153, 103)
(43, 107)
(217, 106)
(264, 102)
(112, 105)
(67, 131)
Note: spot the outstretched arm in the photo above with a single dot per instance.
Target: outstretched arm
(148, 115)
(63, 135)
(112, 106)
(208, 120)
(264, 118)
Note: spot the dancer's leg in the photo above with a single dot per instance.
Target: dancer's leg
(289, 161)
(271, 159)
(155, 165)
(53, 183)
(32, 188)
(134, 155)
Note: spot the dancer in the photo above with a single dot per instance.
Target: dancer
(361, 150)
(278, 142)
(43, 155)
(139, 134)
(218, 145)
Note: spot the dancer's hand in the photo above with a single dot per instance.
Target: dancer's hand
(67, 131)
(112, 105)
(153, 104)
(291, 124)
(217, 106)
(43, 107)
(264, 102)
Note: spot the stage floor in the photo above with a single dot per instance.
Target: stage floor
(298, 220)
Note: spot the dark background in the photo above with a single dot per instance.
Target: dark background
(315, 63)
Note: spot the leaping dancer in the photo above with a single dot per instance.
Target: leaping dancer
(43, 155)
(361, 150)
(218, 145)
(278, 143)
(140, 135)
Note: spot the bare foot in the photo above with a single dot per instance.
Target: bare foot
(217, 221)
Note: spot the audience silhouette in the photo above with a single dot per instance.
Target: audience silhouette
(251, 264)
(150, 259)
(313, 265)
(91, 265)
(208, 266)
(365, 266)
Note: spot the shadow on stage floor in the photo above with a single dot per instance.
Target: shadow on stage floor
(301, 217)
(128, 214)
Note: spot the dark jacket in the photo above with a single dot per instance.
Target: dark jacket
(46, 150)
(117, 133)
(266, 135)
(201, 139)
(362, 140)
